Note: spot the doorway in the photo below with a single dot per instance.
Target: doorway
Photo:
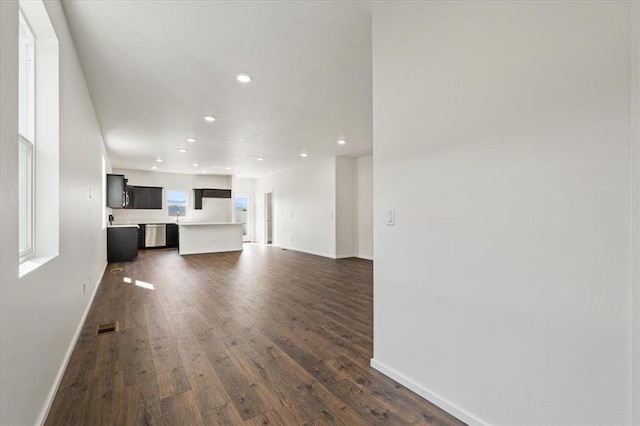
(243, 214)
(268, 217)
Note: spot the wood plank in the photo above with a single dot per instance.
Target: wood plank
(181, 409)
(225, 415)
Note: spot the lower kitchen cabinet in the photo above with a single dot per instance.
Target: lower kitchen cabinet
(172, 235)
(141, 234)
(122, 243)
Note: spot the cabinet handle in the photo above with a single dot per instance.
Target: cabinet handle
(127, 197)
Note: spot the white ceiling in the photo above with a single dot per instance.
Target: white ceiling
(155, 68)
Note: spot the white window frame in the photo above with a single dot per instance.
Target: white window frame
(186, 204)
(39, 141)
(26, 140)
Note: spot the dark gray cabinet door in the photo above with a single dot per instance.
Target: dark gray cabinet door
(147, 197)
(141, 234)
(116, 195)
(122, 244)
(155, 198)
(172, 235)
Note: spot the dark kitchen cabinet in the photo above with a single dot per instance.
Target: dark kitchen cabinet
(172, 235)
(122, 244)
(128, 190)
(146, 197)
(200, 193)
(197, 199)
(141, 235)
(116, 191)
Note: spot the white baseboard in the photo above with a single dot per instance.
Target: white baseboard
(56, 384)
(365, 257)
(315, 253)
(346, 256)
(432, 397)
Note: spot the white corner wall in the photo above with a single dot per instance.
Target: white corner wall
(303, 207)
(346, 207)
(635, 216)
(502, 293)
(213, 209)
(365, 207)
(41, 313)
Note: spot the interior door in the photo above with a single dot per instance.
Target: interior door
(268, 217)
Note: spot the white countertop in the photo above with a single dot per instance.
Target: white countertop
(132, 225)
(208, 223)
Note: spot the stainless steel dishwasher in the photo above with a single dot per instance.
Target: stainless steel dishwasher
(155, 235)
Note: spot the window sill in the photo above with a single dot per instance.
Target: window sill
(32, 264)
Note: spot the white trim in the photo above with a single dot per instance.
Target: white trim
(30, 202)
(365, 257)
(634, 283)
(345, 256)
(430, 396)
(315, 253)
(56, 384)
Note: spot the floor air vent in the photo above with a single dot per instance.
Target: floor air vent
(110, 327)
(116, 270)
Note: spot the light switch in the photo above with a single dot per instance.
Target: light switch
(391, 217)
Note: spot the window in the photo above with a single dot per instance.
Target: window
(104, 193)
(176, 203)
(26, 138)
(38, 137)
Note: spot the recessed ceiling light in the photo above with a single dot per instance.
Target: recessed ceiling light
(154, 167)
(159, 160)
(260, 159)
(204, 171)
(209, 118)
(243, 78)
(341, 142)
(191, 139)
(195, 164)
(183, 150)
(303, 154)
(227, 168)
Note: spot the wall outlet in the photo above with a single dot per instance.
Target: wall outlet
(390, 217)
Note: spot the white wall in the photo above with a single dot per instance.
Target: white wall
(213, 209)
(501, 138)
(303, 207)
(41, 312)
(365, 206)
(635, 209)
(346, 207)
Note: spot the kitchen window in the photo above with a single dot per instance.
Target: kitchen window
(176, 203)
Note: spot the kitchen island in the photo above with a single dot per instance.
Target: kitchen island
(209, 237)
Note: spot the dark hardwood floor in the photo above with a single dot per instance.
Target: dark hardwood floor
(263, 336)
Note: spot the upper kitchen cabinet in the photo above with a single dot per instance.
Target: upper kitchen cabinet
(147, 197)
(200, 193)
(117, 196)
